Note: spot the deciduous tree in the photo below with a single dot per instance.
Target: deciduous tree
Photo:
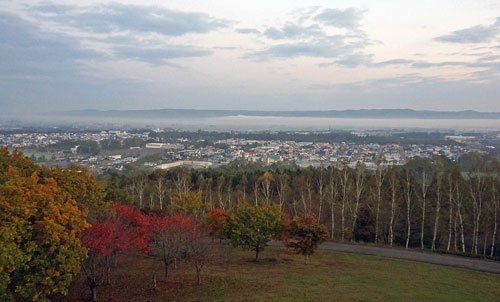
(253, 227)
(171, 235)
(188, 203)
(306, 235)
(216, 219)
(84, 188)
(198, 251)
(40, 252)
(126, 229)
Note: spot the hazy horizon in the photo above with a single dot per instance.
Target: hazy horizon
(260, 123)
(260, 55)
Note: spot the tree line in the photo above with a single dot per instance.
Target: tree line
(428, 203)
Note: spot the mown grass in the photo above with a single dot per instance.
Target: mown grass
(283, 276)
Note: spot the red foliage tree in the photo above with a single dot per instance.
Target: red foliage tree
(100, 240)
(171, 235)
(216, 219)
(134, 226)
(126, 230)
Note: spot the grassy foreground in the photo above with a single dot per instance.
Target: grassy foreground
(282, 276)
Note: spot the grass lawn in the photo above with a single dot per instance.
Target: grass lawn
(283, 276)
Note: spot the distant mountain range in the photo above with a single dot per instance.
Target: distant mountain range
(362, 113)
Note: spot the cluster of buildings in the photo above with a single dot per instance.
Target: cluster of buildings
(325, 153)
(45, 139)
(146, 151)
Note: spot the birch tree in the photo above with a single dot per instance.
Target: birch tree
(408, 192)
(333, 191)
(379, 181)
(220, 191)
(476, 189)
(359, 181)
(450, 208)
(140, 187)
(393, 185)
(181, 181)
(494, 203)
(439, 181)
(281, 189)
(459, 203)
(320, 185)
(345, 184)
(425, 176)
(161, 188)
(266, 181)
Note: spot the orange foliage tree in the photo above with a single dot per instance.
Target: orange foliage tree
(306, 235)
(84, 188)
(40, 252)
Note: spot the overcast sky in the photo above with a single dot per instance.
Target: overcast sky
(266, 55)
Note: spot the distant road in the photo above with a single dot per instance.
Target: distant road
(428, 257)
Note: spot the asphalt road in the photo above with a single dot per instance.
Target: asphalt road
(428, 257)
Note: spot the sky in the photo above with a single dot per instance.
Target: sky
(255, 55)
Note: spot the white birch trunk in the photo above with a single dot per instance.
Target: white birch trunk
(495, 210)
(359, 182)
(450, 218)
(438, 207)
(408, 208)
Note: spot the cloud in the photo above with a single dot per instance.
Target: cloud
(489, 58)
(293, 31)
(351, 61)
(307, 33)
(291, 50)
(156, 56)
(27, 50)
(348, 18)
(136, 18)
(486, 62)
(474, 34)
(41, 70)
(394, 62)
(490, 74)
(131, 32)
(247, 31)
(424, 64)
(405, 91)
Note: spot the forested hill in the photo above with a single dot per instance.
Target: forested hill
(362, 113)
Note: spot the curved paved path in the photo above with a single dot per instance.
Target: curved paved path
(428, 257)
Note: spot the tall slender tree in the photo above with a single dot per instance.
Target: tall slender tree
(393, 186)
(345, 187)
(408, 193)
(439, 166)
(333, 190)
(359, 182)
(379, 181)
(320, 183)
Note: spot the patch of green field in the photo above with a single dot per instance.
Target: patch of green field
(282, 276)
